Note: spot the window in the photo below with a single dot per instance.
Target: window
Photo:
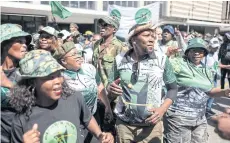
(135, 4)
(74, 4)
(15, 18)
(149, 2)
(120, 3)
(91, 5)
(105, 5)
(45, 2)
(65, 3)
(111, 2)
(130, 3)
(83, 4)
(124, 3)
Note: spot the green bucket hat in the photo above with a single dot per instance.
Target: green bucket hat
(110, 20)
(196, 43)
(64, 49)
(49, 30)
(38, 63)
(9, 31)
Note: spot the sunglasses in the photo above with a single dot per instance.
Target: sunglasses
(45, 35)
(197, 50)
(135, 73)
(104, 25)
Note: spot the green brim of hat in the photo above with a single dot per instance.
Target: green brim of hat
(17, 34)
(194, 46)
(55, 67)
(43, 31)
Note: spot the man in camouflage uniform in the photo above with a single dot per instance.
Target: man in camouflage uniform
(107, 48)
(104, 53)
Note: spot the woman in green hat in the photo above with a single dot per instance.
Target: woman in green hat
(83, 77)
(14, 44)
(185, 120)
(47, 110)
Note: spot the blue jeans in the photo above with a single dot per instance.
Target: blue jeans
(211, 100)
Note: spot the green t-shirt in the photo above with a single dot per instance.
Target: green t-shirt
(86, 80)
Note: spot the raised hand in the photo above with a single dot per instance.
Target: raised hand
(32, 136)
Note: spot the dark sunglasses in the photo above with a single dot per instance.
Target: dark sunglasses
(104, 25)
(46, 36)
(135, 73)
(197, 50)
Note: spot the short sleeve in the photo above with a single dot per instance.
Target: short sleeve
(168, 75)
(85, 114)
(17, 130)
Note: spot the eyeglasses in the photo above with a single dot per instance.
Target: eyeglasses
(45, 35)
(135, 74)
(76, 55)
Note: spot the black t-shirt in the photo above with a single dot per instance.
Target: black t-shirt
(7, 113)
(58, 123)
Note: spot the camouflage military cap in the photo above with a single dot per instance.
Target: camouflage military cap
(63, 50)
(9, 31)
(38, 63)
(138, 28)
(49, 30)
(110, 20)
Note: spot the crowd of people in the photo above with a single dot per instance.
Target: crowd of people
(64, 86)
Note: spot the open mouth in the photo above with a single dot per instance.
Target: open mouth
(58, 91)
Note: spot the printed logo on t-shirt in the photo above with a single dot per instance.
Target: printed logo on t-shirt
(60, 132)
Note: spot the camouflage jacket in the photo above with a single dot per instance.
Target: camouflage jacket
(103, 59)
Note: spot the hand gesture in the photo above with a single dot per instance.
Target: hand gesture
(171, 51)
(32, 136)
(115, 88)
(177, 32)
(106, 138)
(157, 114)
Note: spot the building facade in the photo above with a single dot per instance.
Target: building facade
(203, 16)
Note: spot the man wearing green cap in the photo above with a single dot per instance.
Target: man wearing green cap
(14, 44)
(107, 48)
(185, 119)
(48, 39)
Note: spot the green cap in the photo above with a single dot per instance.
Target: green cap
(64, 49)
(49, 30)
(196, 43)
(38, 63)
(9, 31)
(110, 20)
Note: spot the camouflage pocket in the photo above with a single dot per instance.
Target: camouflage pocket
(107, 61)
